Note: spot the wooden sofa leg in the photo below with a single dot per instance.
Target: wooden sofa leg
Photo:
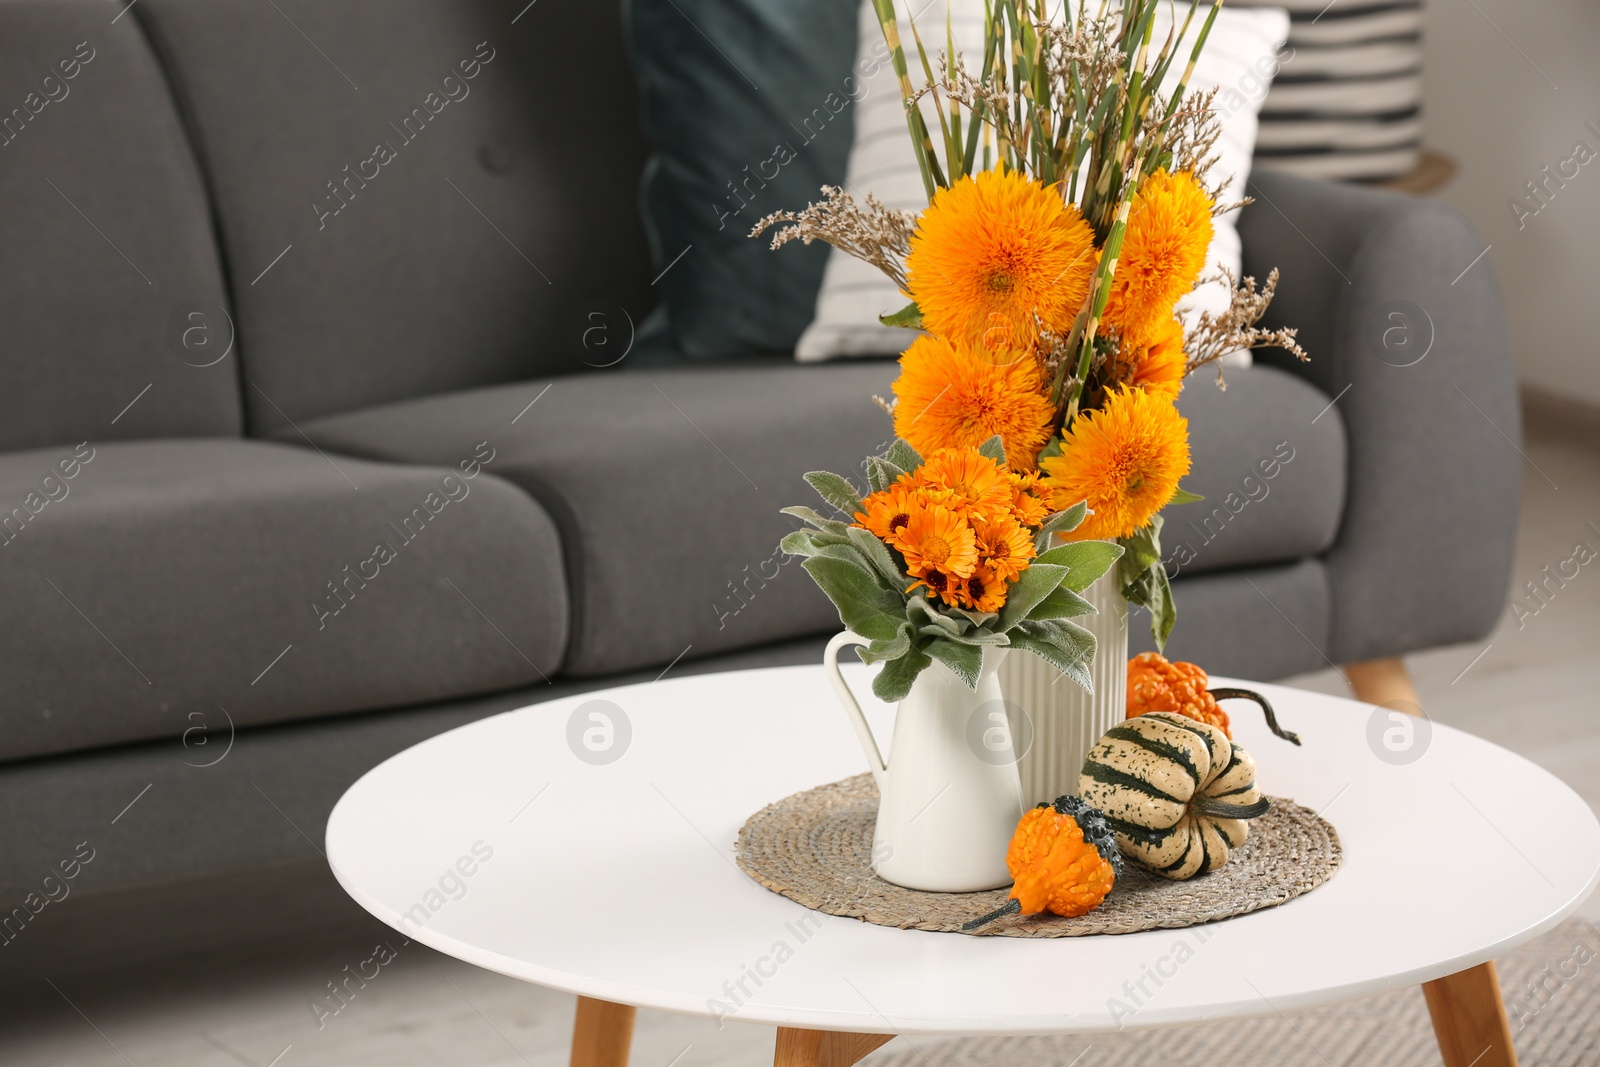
(1384, 681)
(601, 1033)
(1469, 1018)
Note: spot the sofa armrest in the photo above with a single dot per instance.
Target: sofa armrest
(1403, 322)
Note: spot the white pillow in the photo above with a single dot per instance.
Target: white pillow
(1239, 60)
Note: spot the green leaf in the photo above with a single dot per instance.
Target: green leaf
(1183, 496)
(875, 482)
(1052, 448)
(994, 448)
(894, 681)
(837, 491)
(851, 555)
(877, 554)
(976, 618)
(1060, 522)
(909, 316)
(903, 456)
(821, 522)
(1063, 603)
(881, 651)
(881, 473)
(1036, 583)
(965, 661)
(865, 607)
(1143, 549)
(1151, 590)
(798, 543)
(982, 637)
(1086, 561)
(1066, 646)
(921, 607)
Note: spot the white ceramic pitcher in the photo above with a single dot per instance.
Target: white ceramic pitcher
(949, 794)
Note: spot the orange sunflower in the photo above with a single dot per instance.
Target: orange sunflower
(1158, 360)
(955, 396)
(991, 252)
(1124, 460)
(939, 549)
(1163, 251)
(976, 484)
(886, 513)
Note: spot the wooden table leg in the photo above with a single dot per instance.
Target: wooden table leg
(601, 1033)
(1470, 1019)
(823, 1048)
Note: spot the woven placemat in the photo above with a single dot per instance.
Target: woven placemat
(815, 848)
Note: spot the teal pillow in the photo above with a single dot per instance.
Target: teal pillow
(748, 110)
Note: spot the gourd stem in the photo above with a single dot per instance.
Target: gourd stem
(1220, 810)
(1011, 907)
(1272, 716)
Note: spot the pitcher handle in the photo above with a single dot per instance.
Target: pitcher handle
(852, 709)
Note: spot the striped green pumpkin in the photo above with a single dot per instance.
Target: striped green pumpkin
(1176, 792)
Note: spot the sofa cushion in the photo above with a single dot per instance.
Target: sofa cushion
(451, 223)
(666, 484)
(749, 107)
(113, 299)
(1250, 622)
(278, 583)
(1269, 458)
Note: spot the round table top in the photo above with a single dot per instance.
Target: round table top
(499, 844)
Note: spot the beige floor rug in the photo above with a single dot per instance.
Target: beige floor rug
(1551, 989)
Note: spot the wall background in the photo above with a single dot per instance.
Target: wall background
(1499, 115)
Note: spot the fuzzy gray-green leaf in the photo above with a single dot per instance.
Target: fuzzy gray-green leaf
(964, 661)
(865, 607)
(894, 681)
(820, 521)
(903, 456)
(1085, 560)
(1036, 583)
(836, 490)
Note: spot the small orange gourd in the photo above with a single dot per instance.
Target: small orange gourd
(1064, 859)
(1158, 684)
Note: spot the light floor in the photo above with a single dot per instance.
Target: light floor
(1532, 688)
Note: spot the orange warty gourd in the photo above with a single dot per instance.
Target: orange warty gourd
(1156, 684)
(1064, 859)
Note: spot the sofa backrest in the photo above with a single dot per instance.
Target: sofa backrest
(113, 317)
(413, 196)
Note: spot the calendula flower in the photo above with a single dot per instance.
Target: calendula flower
(976, 484)
(993, 251)
(1157, 359)
(1004, 547)
(1124, 460)
(951, 395)
(938, 545)
(886, 513)
(1030, 500)
(984, 591)
(1163, 251)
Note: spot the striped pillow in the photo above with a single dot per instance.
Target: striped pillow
(1238, 61)
(1347, 101)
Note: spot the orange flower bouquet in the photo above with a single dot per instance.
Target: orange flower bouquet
(1069, 213)
(948, 555)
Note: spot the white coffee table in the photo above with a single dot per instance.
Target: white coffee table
(497, 844)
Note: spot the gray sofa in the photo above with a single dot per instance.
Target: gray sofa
(314, 450)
